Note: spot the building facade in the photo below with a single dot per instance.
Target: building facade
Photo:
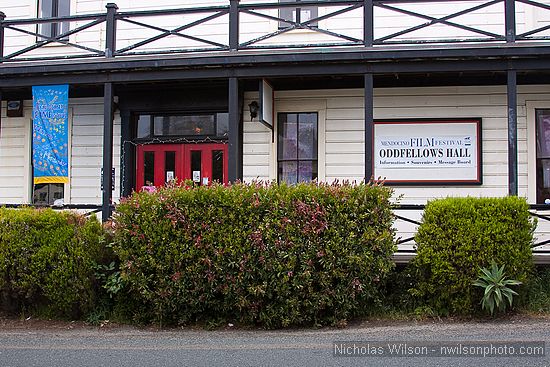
(447, 98)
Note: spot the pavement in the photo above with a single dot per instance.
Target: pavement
(511, 342)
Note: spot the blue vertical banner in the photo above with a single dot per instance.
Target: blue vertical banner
(50, 137)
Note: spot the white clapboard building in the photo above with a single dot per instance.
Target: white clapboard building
(440, 98)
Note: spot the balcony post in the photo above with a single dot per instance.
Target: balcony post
(108, 110)
(2, 17)
(512, 133)
(368, 23)
(369, 125)
(110, 41)
(234, 25)
(510, 20)
(235, 135)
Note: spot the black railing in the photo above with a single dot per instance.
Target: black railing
(234, 10)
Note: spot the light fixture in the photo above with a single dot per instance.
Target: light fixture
(254, 108)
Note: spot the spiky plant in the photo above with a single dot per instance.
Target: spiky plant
(496, 288)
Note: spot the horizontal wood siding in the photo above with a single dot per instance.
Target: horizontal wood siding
(14, 157)
(87, 151)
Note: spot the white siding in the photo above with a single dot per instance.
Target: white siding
(344, 132)
(87, 151)
(86, 141)
(14, 158)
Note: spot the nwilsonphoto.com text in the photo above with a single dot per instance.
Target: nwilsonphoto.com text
(410, 349)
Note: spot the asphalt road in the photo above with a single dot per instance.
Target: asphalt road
(85, 346)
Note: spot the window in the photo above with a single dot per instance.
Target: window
(211, 125)
(47, 193)
(543, 155)
(298, 14)
(52, 9)
(297, 147)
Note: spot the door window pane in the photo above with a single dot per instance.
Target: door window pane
(169, 166)
(149, 168)
(217, 166)
(196, 165)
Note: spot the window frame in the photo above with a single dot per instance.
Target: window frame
(280, 142)
(153, 136)
(52, 29)
(539, 158)
(287, 14)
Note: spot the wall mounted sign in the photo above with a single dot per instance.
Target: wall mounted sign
(428, 151)
(50, 133)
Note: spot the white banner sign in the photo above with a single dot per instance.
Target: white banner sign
(443, 151)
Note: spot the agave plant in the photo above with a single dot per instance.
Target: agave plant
(496, 288)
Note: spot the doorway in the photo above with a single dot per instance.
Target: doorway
(159, 164)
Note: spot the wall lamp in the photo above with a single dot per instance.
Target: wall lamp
(254, 107)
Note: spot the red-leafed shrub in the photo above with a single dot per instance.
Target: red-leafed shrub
(273, 255)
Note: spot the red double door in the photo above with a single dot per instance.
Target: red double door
(158, 164)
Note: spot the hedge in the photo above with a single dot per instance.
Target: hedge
(46, 261)
(270, 255)
(457, 236)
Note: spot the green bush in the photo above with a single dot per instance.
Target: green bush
(46, 261)
(457, 237)
(272, 255)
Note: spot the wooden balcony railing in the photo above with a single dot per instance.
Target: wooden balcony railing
(229, 17)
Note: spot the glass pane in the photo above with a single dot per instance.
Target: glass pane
(169, 166)
(288, 134)
(40, 196)
(222, 124)
(47, 194)
(184, 125)
(288, 172)
(545, 173)
(307, 171)
(307, 136)
(217, 166)
(543, 133)
(144, 126)
(149, 168)
(63, 10)
(56, 192)
(196, 164)
(45, 10)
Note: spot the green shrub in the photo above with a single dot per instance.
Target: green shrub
(46, 261)
(273, 255)
(538, 299)
(457, 237)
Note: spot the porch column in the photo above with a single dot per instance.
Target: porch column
(107, 150)
(512, 133)
(369, 126)
(235, 137)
